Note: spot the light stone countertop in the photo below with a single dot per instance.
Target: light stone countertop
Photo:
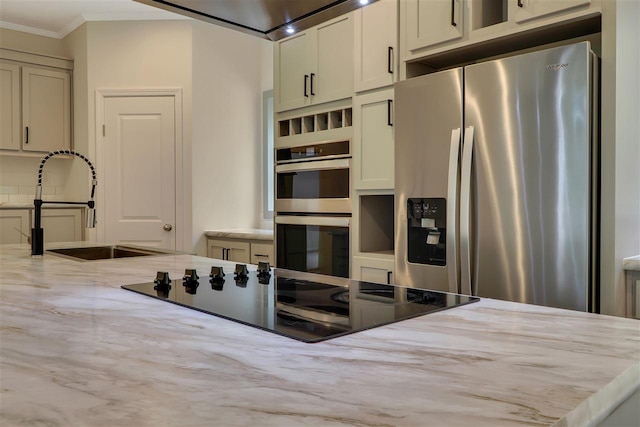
(631, 263)
(243, 233)
(76, 350)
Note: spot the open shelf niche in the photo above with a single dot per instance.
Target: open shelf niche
(313, 123)
(377, 224)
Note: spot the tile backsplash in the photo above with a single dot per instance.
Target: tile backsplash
(26, 193)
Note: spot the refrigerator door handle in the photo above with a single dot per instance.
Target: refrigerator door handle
(465, 205)
(452, 208)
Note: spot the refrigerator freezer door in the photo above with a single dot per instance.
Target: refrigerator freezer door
(428, 112)
(530, 189)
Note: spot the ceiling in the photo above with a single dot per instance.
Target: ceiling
(270, 19)
(57, 18)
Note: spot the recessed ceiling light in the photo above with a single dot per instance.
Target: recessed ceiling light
(363, 2)
(290, 30)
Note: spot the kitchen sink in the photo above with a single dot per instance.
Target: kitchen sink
(108, 252)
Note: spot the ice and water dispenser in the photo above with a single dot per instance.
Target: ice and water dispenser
(427, 231)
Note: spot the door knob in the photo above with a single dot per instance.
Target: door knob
(167, 227)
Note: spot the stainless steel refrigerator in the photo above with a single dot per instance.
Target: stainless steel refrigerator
(497, 179)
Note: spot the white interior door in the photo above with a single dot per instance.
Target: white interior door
(139, 170)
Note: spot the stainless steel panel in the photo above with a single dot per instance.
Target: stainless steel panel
(343, 163)
(427, 109)
(531, 177)
(263, 18)
(313, 205)
(333, 221)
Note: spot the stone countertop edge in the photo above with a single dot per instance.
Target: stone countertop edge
(631, 263)
(242, 233)
(595, 409)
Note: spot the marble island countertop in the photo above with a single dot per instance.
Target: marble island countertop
(76, 350)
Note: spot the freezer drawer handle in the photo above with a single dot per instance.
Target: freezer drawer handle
(465, 205)
(453, 14)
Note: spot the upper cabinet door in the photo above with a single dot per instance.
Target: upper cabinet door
(315, 66)
(46, 109)
(292, 72)
(373, 159)
(333, 78)
(429, 22)
(9, 106)
(376, 53)
(524, 10)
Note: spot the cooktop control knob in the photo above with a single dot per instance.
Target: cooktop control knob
(241, 271)
(162, 284)
(241, 275)
(217, 273)
(264, 269)
(190, 275)
(162, 280)
(190, 281)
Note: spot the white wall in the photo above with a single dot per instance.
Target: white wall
(230, 72)
(222, 74)
(620, 147)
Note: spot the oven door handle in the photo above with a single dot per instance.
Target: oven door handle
(331, 221)
(317, 165)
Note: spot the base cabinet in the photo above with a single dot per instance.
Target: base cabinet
(14, 226)
(375, 270)
(60, 225)
(229, 250)
(262, 252)
(245, 251)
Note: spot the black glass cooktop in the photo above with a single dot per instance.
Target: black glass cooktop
(306, 310)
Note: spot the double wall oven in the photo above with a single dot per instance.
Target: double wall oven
(313, 207)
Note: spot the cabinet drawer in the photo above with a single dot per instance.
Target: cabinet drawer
(262, 252)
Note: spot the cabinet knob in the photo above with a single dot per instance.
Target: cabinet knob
(167, 227)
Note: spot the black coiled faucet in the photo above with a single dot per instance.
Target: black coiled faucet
(37, 233)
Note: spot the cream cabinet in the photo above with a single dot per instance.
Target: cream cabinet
(62, 225)
(14, 226)
(35, 98)
(9, 106)
(525, 10)
(262, 252)
(229, 250)
(314, 66)
(59, 224)
(373, 164)
(46, 109)
(241, 250)
(375, 45)
(375, 270)
(430, 22)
